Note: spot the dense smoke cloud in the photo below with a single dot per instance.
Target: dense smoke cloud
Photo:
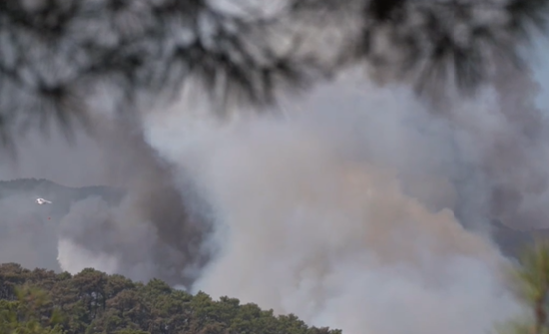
(517, 155)
(153, 231)
(361, 209)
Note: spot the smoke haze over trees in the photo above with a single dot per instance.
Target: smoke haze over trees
(379, 195)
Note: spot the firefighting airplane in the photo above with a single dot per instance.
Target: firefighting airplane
(42, 201)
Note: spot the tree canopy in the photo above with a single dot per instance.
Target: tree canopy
(44, 302)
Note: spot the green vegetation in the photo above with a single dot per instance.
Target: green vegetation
(531, 279)
(43, 302)
(30, 313)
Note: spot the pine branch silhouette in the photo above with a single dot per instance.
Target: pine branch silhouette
(61, 58)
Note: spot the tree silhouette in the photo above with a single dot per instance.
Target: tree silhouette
(459, 40)
(532, 281)
(58, 58)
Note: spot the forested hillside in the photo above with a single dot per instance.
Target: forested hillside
(42, 301)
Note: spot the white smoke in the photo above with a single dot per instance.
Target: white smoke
(320, 214)
(74, 258)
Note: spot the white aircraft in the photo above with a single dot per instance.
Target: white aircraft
(42, 201)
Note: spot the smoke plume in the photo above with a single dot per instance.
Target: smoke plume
(361, 209)
(153, 231)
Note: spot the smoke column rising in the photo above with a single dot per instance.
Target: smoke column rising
(366, 212)
(349, 212)
(154, 232)
(343, 212)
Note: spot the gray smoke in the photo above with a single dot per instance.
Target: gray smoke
(517, 159)
(360, 210)
(25, 237)
(155, 230)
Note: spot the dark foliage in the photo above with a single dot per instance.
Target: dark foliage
(93, 302)
(59, 57)
(457, 42)
(55, 55)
